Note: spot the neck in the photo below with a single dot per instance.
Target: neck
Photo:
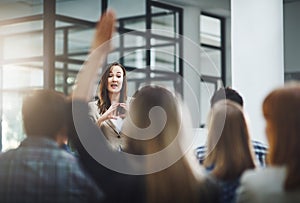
(114, 98)
(62, 136)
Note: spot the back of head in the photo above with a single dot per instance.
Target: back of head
(226, 93)
(43, 113)
(185, 187)
(228, 141)
(147, 99)
(282, 113)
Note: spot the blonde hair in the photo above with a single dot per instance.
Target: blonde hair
(282, 114)
(228, 145)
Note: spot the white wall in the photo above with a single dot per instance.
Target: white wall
(257, 54)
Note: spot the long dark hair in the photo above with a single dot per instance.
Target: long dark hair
(104, 101)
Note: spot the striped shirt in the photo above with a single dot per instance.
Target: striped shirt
(259, 148)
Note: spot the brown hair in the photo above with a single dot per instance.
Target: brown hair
(176, 183)
(104, 101)
(228, 144)
(44, 113)
(145, 99)
(282, 114)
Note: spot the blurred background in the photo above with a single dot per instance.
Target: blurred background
(191, 49)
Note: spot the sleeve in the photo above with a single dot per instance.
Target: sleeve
(92, 111)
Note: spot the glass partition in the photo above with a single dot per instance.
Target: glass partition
(153, 55)
(149, 44)
(212, 59)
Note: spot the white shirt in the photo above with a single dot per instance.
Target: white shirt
(118, 123)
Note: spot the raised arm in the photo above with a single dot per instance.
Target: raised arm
(100, 47)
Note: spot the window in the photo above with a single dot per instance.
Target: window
(149, 46)
(212, 61)
(23, 50)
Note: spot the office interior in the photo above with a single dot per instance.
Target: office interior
(192, 47)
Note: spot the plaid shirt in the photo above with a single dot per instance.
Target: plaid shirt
(260, 151)
(39, 171)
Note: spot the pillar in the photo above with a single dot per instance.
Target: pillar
(257, 55)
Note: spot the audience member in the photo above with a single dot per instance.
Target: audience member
(228, 144)
(280, 181)
(178, 183)
(63, 143)
(228, 93)
(109, 110)
(39, 170)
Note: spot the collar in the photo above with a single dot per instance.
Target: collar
(38, 142)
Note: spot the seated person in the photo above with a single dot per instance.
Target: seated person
(280, 181)
(177, 182)
(39, 170)
(229, 147)
(228, 93)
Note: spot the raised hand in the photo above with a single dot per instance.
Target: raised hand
(101, 46)
(104, 29)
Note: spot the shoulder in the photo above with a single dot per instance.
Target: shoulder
(93, 105)
(261, 150)
(262, 179)
(259, 146)
(264, 185)
(93, 110)
(6, 156)
(263, 175)
(200, 153)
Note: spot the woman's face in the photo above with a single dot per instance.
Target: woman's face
(115, 79)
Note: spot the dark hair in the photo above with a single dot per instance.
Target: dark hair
(43, 113)
(104, 101)
(226, 93)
